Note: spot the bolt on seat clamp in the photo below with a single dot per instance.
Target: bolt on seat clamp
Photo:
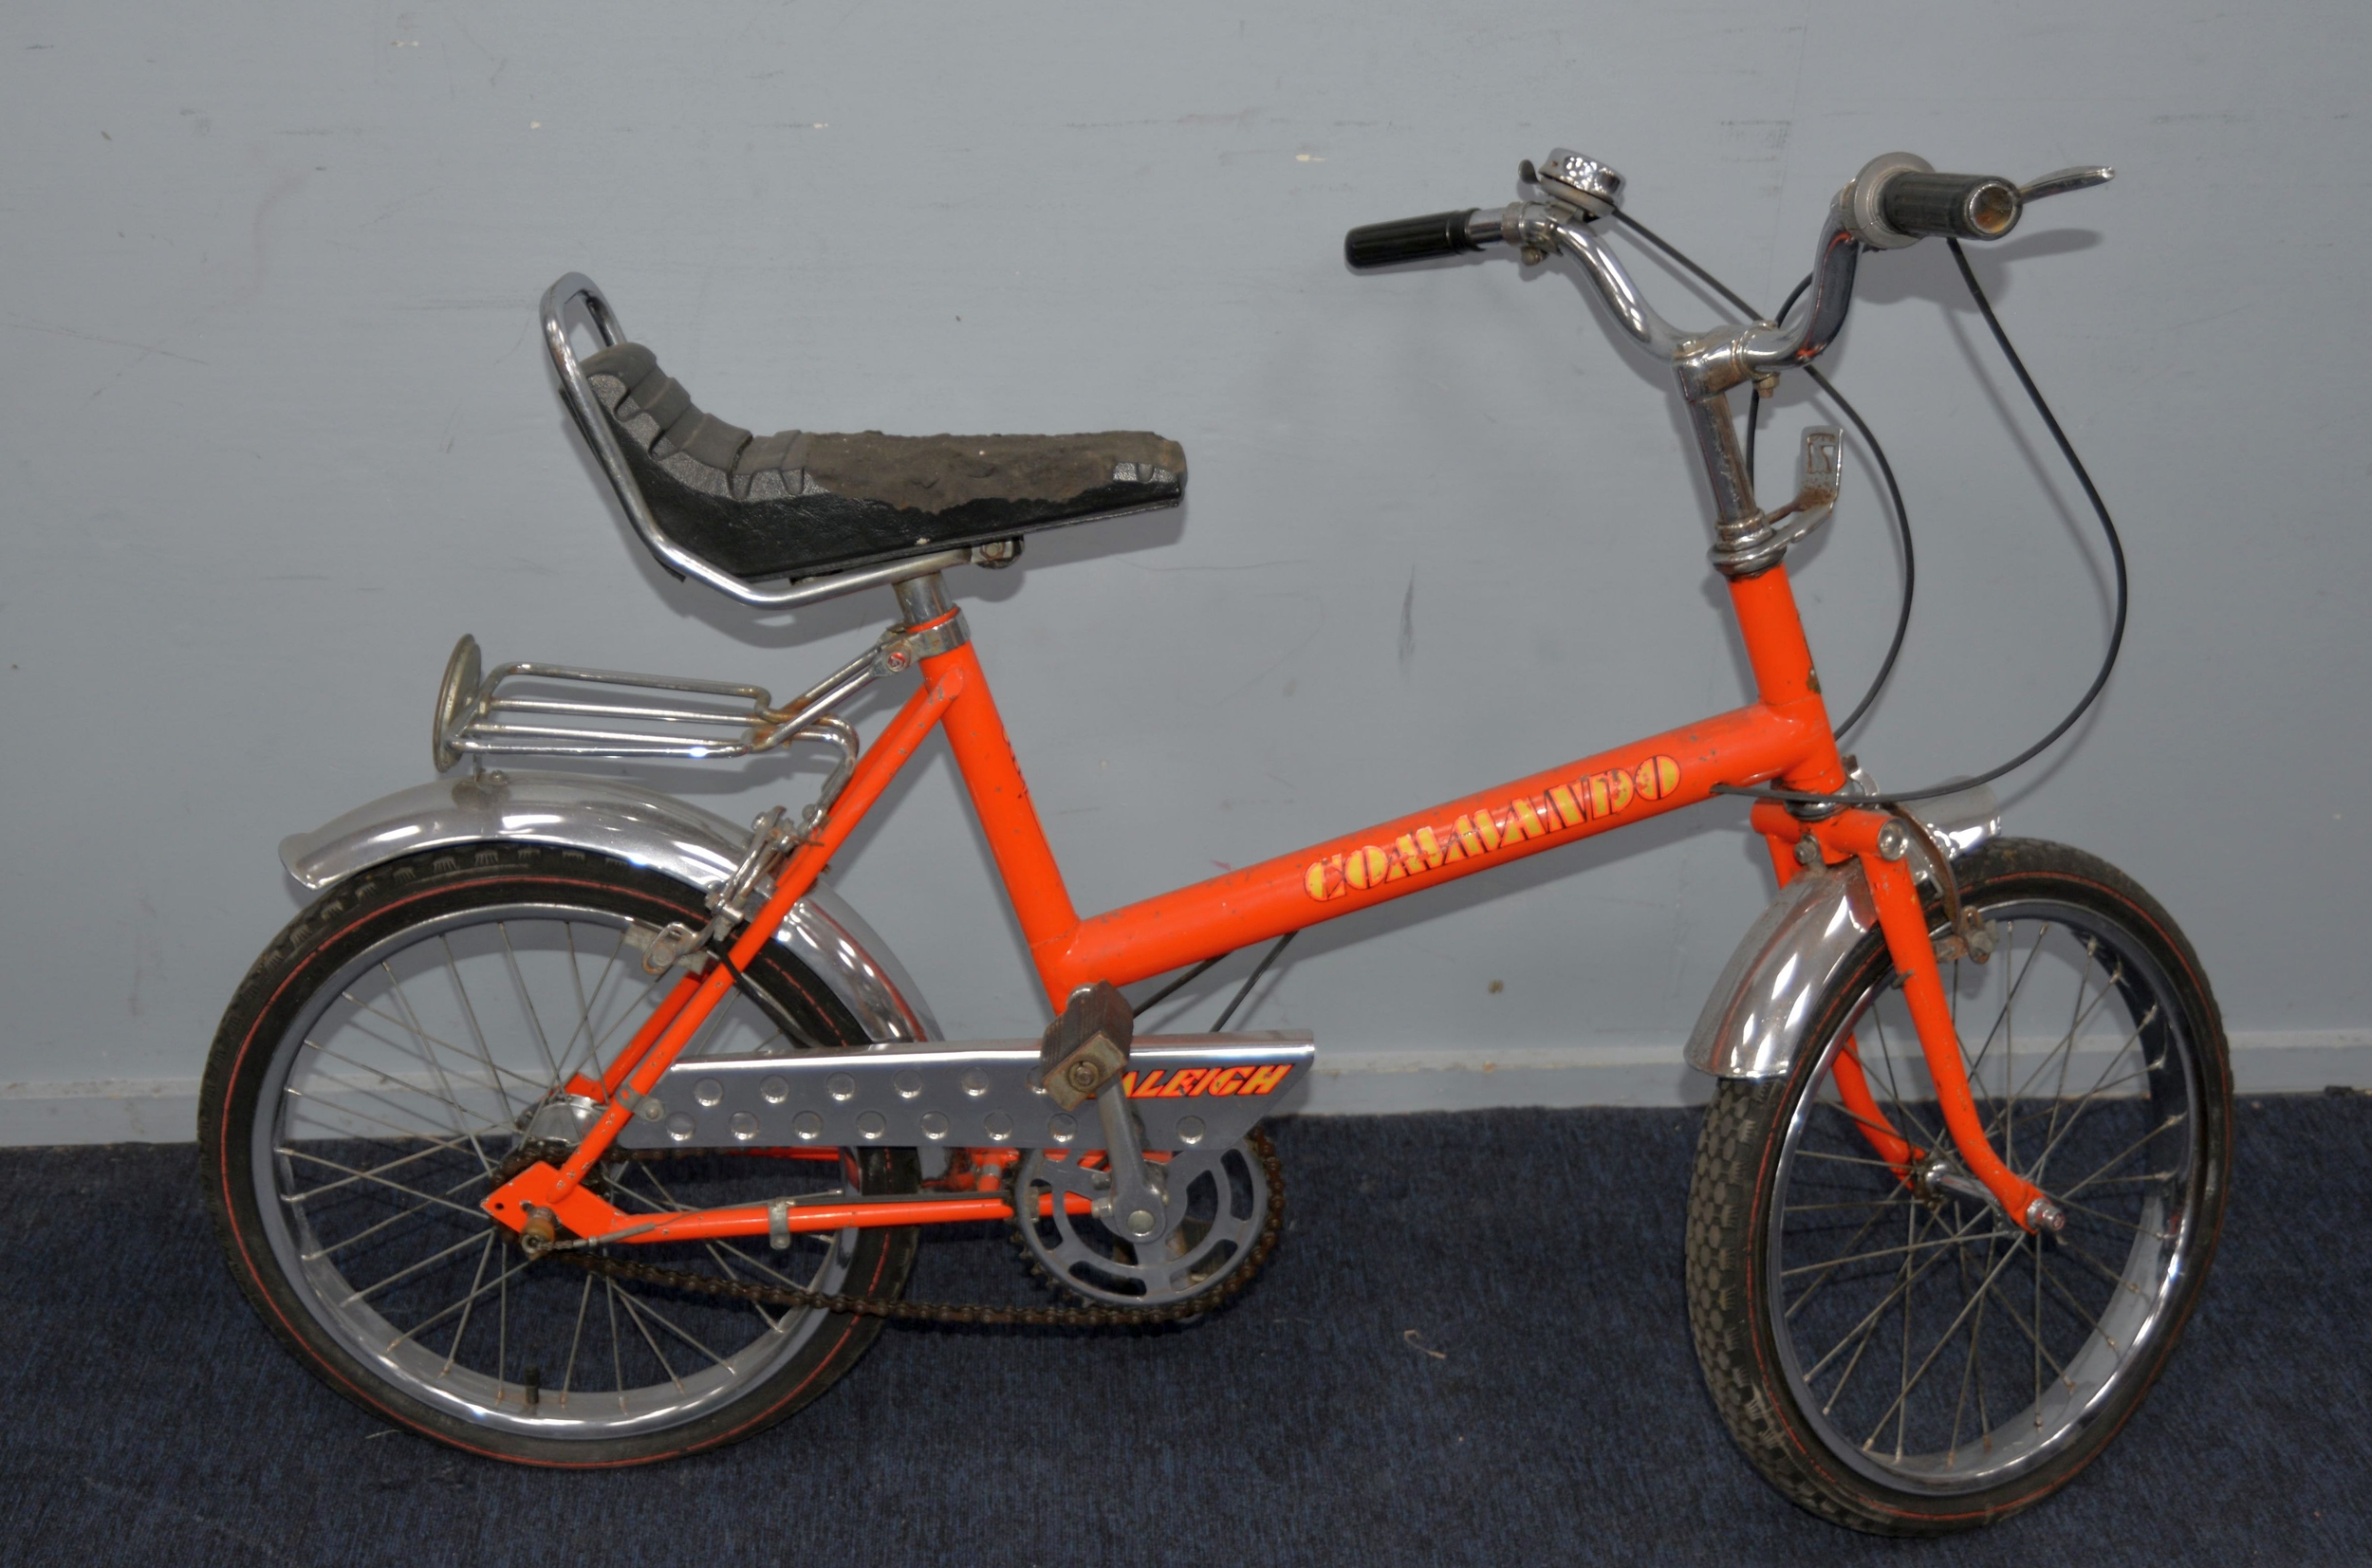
(931, 641)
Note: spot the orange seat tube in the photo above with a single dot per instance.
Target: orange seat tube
(1024, 859)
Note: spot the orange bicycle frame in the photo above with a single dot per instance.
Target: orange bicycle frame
(1782, 735)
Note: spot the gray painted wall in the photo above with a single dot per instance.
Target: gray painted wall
(275, 428)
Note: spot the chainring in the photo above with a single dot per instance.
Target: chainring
(1223, 1200)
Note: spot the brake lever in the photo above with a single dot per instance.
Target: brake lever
(1816, 497)
(2060, 181)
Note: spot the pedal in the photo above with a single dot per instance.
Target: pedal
(1087, 1046)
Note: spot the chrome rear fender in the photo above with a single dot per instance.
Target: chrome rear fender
(1761, 1008)
(635, 824)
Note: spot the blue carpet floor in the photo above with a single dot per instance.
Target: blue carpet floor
(149, 1419)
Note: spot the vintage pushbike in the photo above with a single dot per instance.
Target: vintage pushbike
(572, 1125)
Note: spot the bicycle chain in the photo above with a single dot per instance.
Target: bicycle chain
(961, 1311)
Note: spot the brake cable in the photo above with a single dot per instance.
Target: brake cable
(2067, 450)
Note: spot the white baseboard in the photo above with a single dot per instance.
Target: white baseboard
(1388, 1082)
(104, 1111)
(1346, 1083)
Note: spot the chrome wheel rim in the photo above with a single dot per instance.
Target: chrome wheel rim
(1932, 1345)
(400, 1087)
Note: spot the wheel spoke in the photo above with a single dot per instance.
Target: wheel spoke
(425, 1324)
(331, 1107)
(1894, 1094)
(617, 1345)
(460, 1113)
(2035, 1171)
(585, 1005)
(2070, 1297)
(477, 1035)
(2104, 1218)
(724, 1261)
(1843, 1159)
(1910, 1379)
(2003, 1027)
(576, 1335)
(463, 1327)
(527, 1005)
(397, 1218)
(2075, 1023)
(2062, 1053)
(1897, 1251)
(413, 1128)
(2127, 1152)
(1876, 1314)
(1969, 1366)
(2041, 1355)
(634, 1311)
(479, 1239)
(636, 1305)
(428, 1053)
(374, 1179)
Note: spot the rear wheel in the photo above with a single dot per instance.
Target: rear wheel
(381, 1062)
(1895, 1354)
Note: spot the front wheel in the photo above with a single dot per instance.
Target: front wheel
(1896, 1355)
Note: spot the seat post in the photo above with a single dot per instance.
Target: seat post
(920, 599)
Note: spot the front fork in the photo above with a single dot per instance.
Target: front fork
(1862, 835)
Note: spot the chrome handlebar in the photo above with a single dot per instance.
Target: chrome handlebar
(1580, 192)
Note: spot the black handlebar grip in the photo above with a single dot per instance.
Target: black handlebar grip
(1374, 245)
(1974, 207)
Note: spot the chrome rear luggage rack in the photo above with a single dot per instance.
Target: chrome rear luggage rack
(527, 710)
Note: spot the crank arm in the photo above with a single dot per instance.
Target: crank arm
(1134, 1207)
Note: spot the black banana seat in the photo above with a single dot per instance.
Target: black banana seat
(800, 504)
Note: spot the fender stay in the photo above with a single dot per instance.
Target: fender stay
(635, 824)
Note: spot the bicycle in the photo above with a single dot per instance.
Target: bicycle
(571, 1125)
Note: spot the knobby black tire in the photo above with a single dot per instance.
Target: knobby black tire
(1733, 1294)
(369, 908)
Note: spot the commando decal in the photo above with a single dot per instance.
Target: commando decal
(1562, 806)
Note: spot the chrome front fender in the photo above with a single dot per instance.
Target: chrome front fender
(635, 824)
(1761, 1008)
